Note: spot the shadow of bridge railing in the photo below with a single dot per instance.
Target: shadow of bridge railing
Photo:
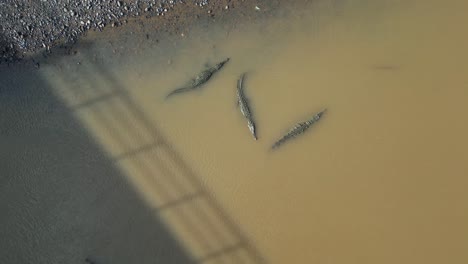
(212, 233)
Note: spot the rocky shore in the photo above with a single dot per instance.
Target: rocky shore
(29, 26)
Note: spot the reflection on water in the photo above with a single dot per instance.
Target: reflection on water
(379, 180)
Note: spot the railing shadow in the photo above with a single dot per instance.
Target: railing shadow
(62, 200)
(183, 196)
(215, 241)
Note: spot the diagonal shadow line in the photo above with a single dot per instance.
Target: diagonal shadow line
(183, 199)
(191, 176)
(116, 135)
(162, 166)
(56, 168)
(177, 186)
(224, 251)
(96, 100)
(144, 169)
(137, 151)
(160, 188)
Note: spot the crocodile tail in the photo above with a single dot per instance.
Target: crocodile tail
(176, 91)
(221, 64)
(240, 82)
(275, 146)
(278, 143)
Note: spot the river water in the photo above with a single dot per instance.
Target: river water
(380, 178)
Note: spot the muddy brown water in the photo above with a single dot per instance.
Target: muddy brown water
(381, 178)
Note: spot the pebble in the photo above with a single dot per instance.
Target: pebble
(26, 28)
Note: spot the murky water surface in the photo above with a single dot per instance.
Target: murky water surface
(381, 178)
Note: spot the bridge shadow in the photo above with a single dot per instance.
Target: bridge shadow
(64, 200)
(61, 198)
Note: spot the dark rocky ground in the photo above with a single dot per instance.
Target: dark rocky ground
(31, 26)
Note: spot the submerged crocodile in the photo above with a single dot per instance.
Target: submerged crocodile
(243, 104)
(201, 79)
(298, 129)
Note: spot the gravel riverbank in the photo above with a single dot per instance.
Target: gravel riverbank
(29, 26)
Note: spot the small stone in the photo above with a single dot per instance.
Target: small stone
(226, 7)
(119, 3)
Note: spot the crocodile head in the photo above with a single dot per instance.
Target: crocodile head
(319, 115)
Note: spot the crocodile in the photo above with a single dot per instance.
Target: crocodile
(243, 104)
(199, 80)
(298, 129)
